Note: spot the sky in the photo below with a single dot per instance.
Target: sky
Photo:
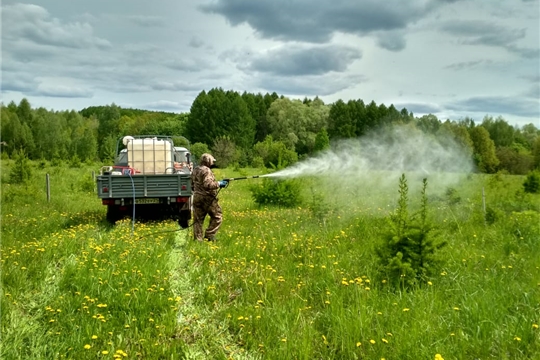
(450, 58)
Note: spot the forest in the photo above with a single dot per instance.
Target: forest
(253, 130)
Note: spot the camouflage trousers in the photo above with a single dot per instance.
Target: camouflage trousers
(202, 206)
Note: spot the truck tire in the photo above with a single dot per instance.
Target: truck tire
(183, 219)
(113, 214)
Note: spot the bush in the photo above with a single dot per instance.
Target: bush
(408, 254)
(284, 193)
(532, 183)
(22, 171)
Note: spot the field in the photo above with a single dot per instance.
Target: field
(299, 283)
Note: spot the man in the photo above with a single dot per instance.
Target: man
(205, 201)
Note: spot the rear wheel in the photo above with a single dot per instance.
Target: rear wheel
(113, 214)
(183, 219)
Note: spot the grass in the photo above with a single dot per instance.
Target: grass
(296, 283)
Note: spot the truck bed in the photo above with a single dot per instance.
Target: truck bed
(145, 186)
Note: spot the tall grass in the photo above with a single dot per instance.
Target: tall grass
(278, 284)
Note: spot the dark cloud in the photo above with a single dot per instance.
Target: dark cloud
(309, 21)
(489, 34)
(517, 106)
(301, 60)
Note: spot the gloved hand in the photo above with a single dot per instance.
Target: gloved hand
(223, 183)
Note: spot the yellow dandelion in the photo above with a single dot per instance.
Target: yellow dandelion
(87, 346)
(384, 340)
(517, 338)
(104, 352)
(94, 337)
(372, 341)
(284, 340)
(358, 344)
(406, 309)
(535, 326)
(438, 357)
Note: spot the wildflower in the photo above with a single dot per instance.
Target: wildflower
(284, 340)
(372, 341)
(384, 340)
(358, 344)
(406, 309)
(104, 352)
(535, 326)
(517, 338)
(94, 337)
(456, 308)
(438, 357)
(87, 346)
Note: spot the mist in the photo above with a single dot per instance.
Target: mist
(376, 161)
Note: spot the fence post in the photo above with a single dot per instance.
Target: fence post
(484, 204)
(48, 187)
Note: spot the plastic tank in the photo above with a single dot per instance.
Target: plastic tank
(150, 156)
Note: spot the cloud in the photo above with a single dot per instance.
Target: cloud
(26, 22)
(308, 85)
(489, 34)
(63, 91)
(468, 65)
(391, 40)
(303, 60)
(175, 86)
(419, 108)
(165, 105)
(147, 21)
(514, 105)
(316, 22)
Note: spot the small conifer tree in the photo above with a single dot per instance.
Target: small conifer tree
(408, 254)
(22, 171)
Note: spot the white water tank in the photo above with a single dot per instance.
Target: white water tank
(150, 155)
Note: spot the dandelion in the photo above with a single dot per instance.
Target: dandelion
(87, 346)
(384, 340)
(284, 340)
(406, 309)
(104, 352)
(438, 357)
(94, 337)
(372, 341)
(456, 308)
(535, 326)
(517, 338)
(358, 344)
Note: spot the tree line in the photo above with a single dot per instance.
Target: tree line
(253, 130)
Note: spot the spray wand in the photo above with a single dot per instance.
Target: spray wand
(244, 177)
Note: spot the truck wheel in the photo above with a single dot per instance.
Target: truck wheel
(183, 219)
(113, 214)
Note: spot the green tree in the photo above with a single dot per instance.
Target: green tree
(341, 124)
(499, 130)
(484, 150)
(197, 150)
(224, 150)
(322, 141)
(274, 153)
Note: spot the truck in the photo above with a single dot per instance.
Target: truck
(150, 178)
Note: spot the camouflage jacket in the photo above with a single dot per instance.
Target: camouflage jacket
(203, 181)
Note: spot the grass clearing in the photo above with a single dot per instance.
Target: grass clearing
(298, 283)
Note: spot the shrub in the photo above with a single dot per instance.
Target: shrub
(532, 183)
(407, 255)
(22, 171)
(284, 193)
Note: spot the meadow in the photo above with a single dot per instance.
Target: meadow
(300, 283)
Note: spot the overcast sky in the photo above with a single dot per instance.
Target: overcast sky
(451, 58)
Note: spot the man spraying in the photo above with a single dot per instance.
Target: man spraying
(205, 201)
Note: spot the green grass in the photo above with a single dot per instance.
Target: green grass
(279, 284)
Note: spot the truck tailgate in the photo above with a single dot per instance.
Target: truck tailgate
(161, 185)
